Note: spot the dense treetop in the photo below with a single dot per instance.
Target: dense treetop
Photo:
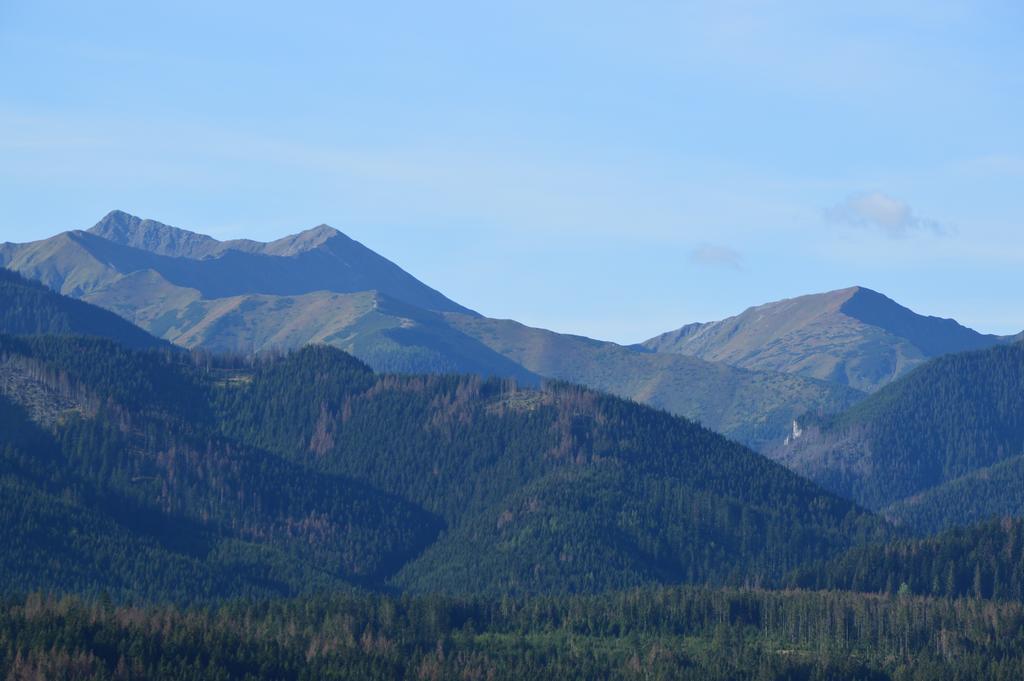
(311, 463)
(695, 634)
(30, 308)
(947, 419)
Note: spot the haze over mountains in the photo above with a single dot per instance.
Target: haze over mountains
(746, 377)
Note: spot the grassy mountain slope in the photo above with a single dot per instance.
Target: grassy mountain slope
(383, 332)
(246, 296)
(319, 259)
(319, 286)
(853, 336)
(950, 418)
(753, 407)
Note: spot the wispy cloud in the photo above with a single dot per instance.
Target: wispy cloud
(879, 211)
(993, 165)
(716, 256)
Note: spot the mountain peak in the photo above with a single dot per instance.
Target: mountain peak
(306, 240)
(149, 235)
(116, 225)
(156, 237)
(117, 217)
(322, 229)
(319, 259)
(934, 336)
(854, 335)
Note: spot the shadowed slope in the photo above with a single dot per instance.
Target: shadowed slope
(949, 418)
(29, 308)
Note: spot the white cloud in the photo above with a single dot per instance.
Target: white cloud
(876, 210)
(716, 256)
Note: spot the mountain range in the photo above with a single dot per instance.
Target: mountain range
(325, 520)
(456, 482)
(190, 476)
(747, 377)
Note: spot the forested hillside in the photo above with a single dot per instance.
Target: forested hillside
(321, 520)
(950, 418)
(753, 407)
(120, 446)
(258, 475)
(690, 634)
(981, 561)
(563, 488)
(990, 492)
(262, 446)
(29, 308)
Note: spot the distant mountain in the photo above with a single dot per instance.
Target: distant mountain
(29, 308)
(246, 296)
(941, 446)
(320, 259)
(853, 336)
(165, 476)
(754, 407)
(319, 286)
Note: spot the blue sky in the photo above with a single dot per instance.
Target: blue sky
(611, 169)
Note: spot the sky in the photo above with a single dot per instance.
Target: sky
(614, 169)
